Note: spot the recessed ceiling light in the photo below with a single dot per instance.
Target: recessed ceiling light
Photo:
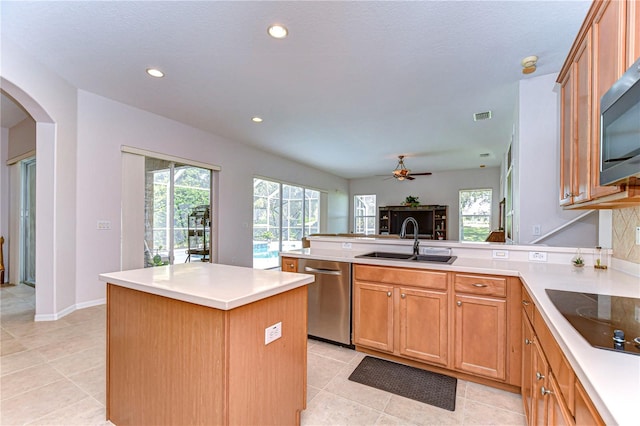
(277, 31)
(154, 72)
(256, 119)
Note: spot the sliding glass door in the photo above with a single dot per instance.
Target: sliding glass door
(28, 225)
(177, 213)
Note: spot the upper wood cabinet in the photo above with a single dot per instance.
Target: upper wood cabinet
(606, 45)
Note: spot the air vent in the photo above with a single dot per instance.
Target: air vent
(482, 116)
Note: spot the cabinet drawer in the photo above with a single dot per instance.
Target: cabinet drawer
(289, 264)
(527, 305)
(481, 284)
(404, 276)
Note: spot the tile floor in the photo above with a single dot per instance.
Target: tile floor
(53, 373)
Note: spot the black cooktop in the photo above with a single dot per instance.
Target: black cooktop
(606, 322)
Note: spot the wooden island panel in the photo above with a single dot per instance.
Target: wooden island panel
(171, 362)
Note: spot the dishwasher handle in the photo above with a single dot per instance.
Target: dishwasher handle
(322, 271)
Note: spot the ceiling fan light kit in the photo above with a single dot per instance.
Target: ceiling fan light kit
(402, 173)
(529, 64)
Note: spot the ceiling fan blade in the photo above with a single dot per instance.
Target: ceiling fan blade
(409, 177)
(422, 174)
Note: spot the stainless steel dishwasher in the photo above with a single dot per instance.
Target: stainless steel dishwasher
(329, 300)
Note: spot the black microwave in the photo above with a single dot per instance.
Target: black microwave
(620, 129)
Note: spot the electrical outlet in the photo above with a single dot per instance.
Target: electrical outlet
(538, 256)
(500, 254)
(536, 230)
(272, 333)
(104, 225)
(346, 246)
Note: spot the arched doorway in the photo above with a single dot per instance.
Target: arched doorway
(45, 241)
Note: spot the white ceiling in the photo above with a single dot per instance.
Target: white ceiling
(354, 85)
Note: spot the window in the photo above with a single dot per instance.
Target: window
(475, 214)
(364, 214)
(282, 215)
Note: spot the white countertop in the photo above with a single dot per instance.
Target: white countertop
(217, 286)
(611, 379)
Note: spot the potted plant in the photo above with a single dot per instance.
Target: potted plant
(578, 260)
(411, 201)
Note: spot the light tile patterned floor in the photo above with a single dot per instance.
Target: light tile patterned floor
(53, 373)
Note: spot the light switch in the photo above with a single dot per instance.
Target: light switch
(103, 225)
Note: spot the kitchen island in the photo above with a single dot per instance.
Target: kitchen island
(206, 344)
(611, 380)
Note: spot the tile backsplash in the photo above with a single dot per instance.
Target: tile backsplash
(625, 222)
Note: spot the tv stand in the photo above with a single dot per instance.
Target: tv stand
(432, 220)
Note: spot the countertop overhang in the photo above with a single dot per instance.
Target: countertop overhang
(217, 286)
(611, 379)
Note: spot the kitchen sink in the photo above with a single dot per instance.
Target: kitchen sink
(408, 257)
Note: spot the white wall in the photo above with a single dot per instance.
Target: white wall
(22, 138)
(4, 197)
(537, 159)
(440, 188)
(105, 125)
(51, 101)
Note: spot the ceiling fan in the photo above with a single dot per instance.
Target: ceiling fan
(402, 173)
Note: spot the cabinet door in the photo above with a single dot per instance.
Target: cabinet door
(633, 31)
(423, 325)
(608, 65)
(528, 372)
(585, 413)
(540, 373)
(582, 130)
(289, 264)
(566, 143)
(480, 336)
(373, 316)
(557, 412)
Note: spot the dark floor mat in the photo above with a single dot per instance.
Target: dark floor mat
(424, 386)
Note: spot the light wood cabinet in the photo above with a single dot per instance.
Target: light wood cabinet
(289, 264)
(480, 336)
(633, 31)
(606, 45)
(464, 323)
(575, 146)
(551, 394)
(171, 362)
(423, 324)
(373, 315)
(528, 368)
(410, 321)
(585, 413)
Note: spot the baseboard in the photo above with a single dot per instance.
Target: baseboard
(70, 309)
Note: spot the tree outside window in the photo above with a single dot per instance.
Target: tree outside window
(475, 214)
(364, 214)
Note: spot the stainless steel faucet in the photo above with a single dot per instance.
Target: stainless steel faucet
(403, 233)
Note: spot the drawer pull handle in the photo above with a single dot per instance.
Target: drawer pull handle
(539, 376)
(403, 295)
(527, 342)
(459, 303)
(388, 294)
(525, 302)
(544, 391)
(479, 285)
